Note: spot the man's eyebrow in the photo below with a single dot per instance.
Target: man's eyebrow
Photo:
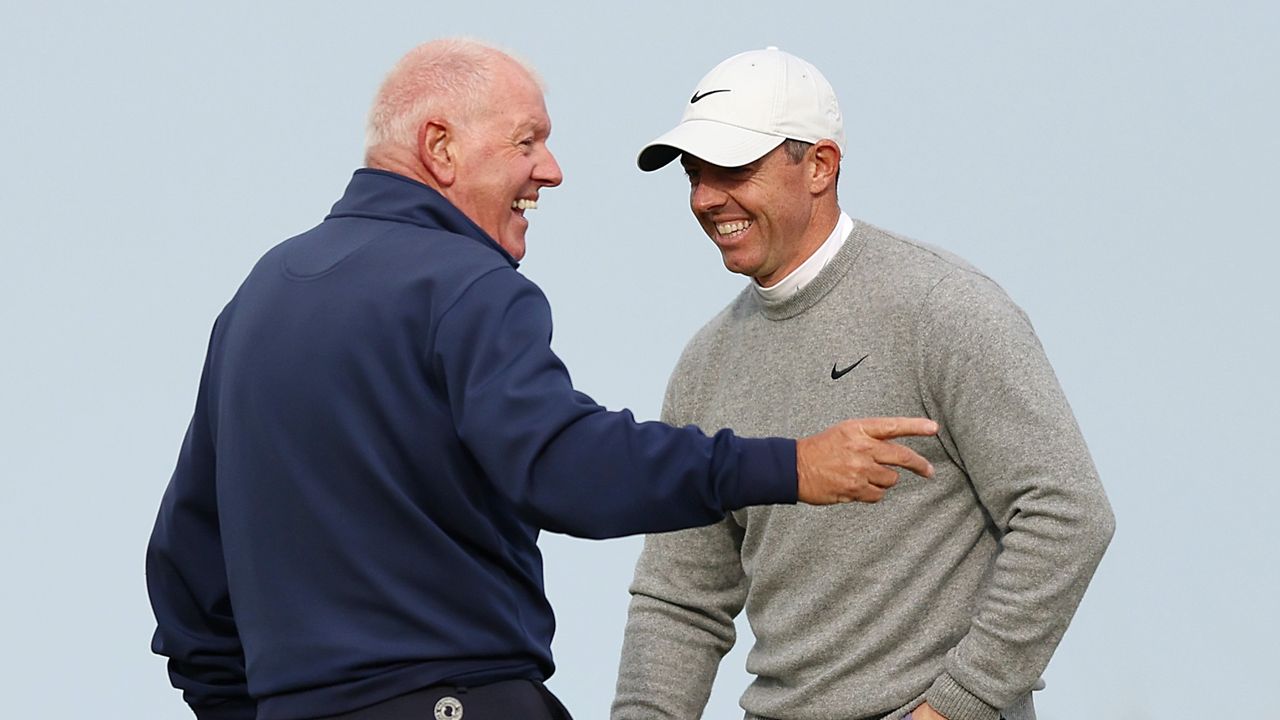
(537, 127)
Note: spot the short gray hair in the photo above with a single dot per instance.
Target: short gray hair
(795, 149)
(447, 77)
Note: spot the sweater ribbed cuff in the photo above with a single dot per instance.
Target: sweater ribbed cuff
(949, 698)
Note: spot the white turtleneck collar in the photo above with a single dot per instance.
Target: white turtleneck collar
(795, 281)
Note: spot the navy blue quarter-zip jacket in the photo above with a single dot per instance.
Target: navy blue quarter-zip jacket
(381, 430)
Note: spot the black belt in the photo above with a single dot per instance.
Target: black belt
(506, 700)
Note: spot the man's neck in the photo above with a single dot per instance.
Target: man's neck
(815, 234)
(804, 273)
(391, 161)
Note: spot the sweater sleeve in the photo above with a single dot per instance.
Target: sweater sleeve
(565, 463)
(1006, 422)
(688, 588)
(187, 583)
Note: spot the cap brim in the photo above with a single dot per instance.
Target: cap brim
(714, 142)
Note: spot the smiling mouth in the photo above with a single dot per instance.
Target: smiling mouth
(731, 230)
(524, 204)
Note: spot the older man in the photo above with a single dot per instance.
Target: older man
(945, 600)
(381, 429)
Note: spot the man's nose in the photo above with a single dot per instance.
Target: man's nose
(704, 197)
(547, 171)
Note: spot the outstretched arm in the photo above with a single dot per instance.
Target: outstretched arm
(568, 465)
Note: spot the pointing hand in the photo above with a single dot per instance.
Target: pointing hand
(854, 460)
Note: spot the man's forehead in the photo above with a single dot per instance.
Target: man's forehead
(539, 124)
(518, 106)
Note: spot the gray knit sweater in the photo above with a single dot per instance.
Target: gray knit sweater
(955, 589)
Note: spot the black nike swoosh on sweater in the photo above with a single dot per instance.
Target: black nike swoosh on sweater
(837, 374)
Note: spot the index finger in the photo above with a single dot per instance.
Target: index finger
(888, 453)
(885, 428)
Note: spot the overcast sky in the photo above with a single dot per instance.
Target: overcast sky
(1112, 165)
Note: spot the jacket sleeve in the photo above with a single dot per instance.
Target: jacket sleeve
(688, 588)
(565, 463)
(1006, 422)
(187, 583)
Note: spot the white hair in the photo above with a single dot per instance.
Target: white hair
(448, 78)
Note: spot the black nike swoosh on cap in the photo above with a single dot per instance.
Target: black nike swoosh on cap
(698, 96)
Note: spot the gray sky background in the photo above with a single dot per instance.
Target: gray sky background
(1113, 165)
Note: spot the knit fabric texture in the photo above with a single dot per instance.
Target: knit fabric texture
(955, 589)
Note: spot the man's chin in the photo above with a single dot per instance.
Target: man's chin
(514, 246)
(513, 240)
(735, 264)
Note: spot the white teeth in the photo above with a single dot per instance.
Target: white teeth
(733, 227)
(523, 204)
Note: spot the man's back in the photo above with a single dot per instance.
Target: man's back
(336, 456)
(380, 427)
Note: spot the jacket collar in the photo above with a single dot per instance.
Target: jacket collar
(383, 195)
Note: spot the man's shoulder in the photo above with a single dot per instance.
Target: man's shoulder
(705, 340)
(379, 262)
(946, 293)
(912, 259)
(906, 271)
(697, 361)
(389, 248)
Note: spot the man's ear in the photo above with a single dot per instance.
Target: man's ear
(824, 166)
(436, 150)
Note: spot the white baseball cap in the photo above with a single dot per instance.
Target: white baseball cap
(747, 106)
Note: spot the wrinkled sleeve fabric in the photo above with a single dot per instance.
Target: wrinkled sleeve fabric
(688, 588)
(1006, 422)
(565, 463)
(187, 582)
